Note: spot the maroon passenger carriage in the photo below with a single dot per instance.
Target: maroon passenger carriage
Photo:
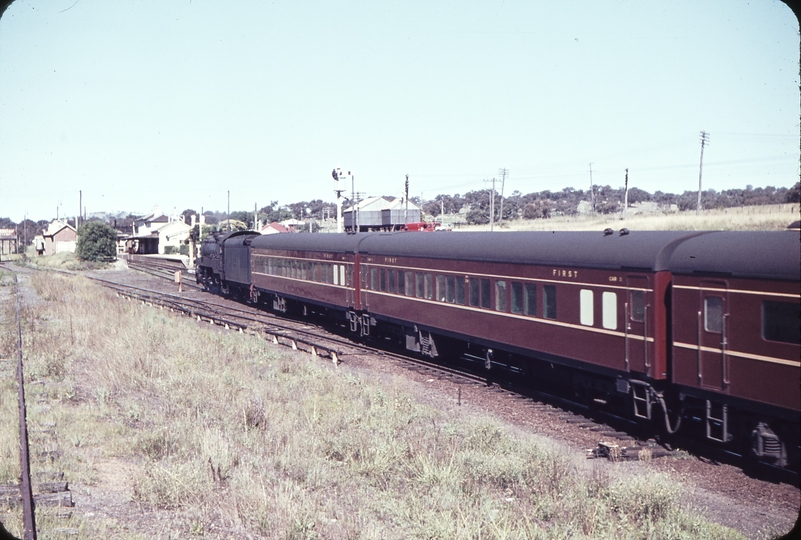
(736, 334)
(679, 327)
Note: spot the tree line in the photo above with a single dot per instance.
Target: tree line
(473, 205)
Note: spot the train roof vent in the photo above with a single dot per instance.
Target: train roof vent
(624, 231)
(608, 231)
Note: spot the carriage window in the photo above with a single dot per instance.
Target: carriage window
(637, 306)
(500, 296)
(609, 304)
(409, 283)
(780, 322)
(517, 297)
(485, 293)
(342, 274)
(530, 299)
(391, 276)
(450, 289)
(585, 307)
(459, 292)
(382, 274)
(429, 280)
(336, 274)
(418, 281)
(474, 292)
(549, 301)
(374, 279)
(713, 314)
(441, 288)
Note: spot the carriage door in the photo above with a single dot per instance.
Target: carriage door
(712, 338)
(637, 310)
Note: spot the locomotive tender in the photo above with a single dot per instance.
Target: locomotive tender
(696, 330)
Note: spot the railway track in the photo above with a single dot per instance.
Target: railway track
(162, 268)
(619, 437)
(44, 488)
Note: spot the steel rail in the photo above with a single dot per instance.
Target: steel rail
(26, 491)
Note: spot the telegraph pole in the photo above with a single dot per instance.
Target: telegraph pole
(229, 210)
(626, 194)
(704, 140)
(353, 225)
(406, 198)
(592, 191)
(492, 203)
(503, 173)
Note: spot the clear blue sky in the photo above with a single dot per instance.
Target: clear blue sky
(173, 103)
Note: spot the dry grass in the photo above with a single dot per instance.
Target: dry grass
(222, 435)
(767, 217)
(63, 261)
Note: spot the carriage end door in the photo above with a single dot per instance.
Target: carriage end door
(637, 309)
(712, 335)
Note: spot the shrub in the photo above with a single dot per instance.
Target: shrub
(96, 242)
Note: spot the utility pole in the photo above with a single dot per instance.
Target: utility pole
(406, 199)
(704, 139)
(626, 194)
(228, 216)
(80, 205)
(592, 191)
(255, 218)
(503, 173)
(353, 226)
(492, 204)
